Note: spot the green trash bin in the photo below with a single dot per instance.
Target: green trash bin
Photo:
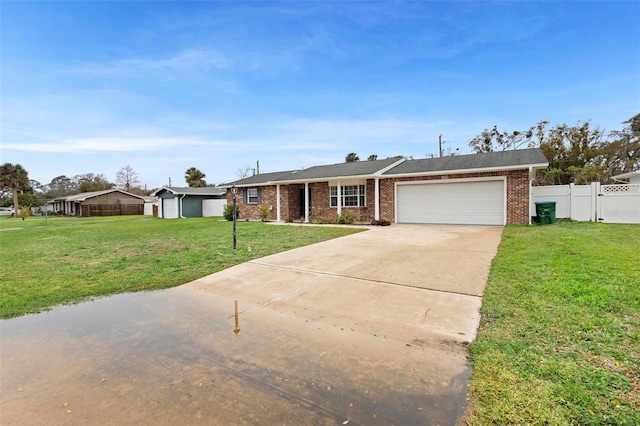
(546, 212)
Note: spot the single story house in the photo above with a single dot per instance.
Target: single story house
(488, 189)
(110, 202)
(632, 178)
(177, 202)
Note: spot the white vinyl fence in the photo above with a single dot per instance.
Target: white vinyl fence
(212, 208)
(595, 202)
(148, 208)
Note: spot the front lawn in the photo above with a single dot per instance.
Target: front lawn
(66, 260)
(559, 341)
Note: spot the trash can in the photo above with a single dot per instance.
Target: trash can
(546, 212)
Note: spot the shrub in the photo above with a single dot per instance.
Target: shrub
(345, 218)
(228, 212)
(264, 212)
(24, 212)
(381, 222)
(288, 220)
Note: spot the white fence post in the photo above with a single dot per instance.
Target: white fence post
(595, 190)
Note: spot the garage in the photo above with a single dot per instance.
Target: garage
(473, 202)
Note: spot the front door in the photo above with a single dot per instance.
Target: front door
(302, 201)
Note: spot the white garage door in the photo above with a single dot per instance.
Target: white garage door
(464, 203)
(169, 208)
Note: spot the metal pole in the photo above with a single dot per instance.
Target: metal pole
(233, 192)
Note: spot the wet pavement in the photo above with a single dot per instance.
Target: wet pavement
(315, 346)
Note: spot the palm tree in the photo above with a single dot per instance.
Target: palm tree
(352, 157)
(14, 177)
(372, 157)
(195, 178)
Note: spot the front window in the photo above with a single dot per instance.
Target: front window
(350, 196)
(252, 195)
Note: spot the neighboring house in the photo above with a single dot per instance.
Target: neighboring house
(632, 178)
(490, 189)
(110, 202)
(177, 202)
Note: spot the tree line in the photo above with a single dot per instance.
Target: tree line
(18, 190)
(577, 154)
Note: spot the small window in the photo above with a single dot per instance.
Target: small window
(350, 195)
(252, 195)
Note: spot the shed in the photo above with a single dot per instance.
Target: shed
(175, 202)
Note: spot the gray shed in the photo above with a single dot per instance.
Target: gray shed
(177, 202)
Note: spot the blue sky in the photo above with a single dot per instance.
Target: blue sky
(90, 87)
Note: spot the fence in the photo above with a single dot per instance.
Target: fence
(595, 202)
(111, 209)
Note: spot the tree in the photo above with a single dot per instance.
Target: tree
(623, 152)
(372, 157)
(90, 182)
(61, 186)
(574, 154)
(577, 154)
(15, 177)
(243, 172)
(352, 157)
(127, 178)
(36, 187)
(195, 178)
(496, 140)
(23, 200)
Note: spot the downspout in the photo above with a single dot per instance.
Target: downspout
(180, 206)
(377, 198)
(278, 202)
(339, 198)
(306, 202)
(530, 191)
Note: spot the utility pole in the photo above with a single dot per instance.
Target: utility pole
(440, 145)
(258, 167)
(169, 180)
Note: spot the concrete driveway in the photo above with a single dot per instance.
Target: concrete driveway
(367, 329)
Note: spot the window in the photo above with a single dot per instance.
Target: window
(351, 196)
(252, 195)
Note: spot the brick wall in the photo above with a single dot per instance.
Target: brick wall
(251, 211)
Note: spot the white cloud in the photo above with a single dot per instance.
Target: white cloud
(191, 60)
(112, 144)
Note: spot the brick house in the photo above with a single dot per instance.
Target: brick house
(489, 189)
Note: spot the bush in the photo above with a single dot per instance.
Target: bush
(264, 212)
(381, 222)
(24, 212)
(345, 218)
(228, 212)
(288, 220)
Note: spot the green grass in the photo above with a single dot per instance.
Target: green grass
(559, 340)
(67, 260)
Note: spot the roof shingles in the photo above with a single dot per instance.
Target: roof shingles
(490, 160)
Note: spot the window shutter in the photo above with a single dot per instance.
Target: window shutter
(244, 196)
(259, 196)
